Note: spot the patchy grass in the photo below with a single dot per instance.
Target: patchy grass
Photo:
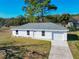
(74, 45)
(35, 45)
(29, 41)
(5, 37)
(76, 32)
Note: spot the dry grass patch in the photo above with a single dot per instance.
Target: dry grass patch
(76, 32)
(35, 45)
(74, 47)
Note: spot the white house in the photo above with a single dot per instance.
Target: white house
(47, 31)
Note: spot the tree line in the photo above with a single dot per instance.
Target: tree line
(14, 21)
(20, 20)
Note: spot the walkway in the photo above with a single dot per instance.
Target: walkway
(60, 50)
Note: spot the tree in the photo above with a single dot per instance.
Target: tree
(65, 17)
(51, 18)
(30, 9)
(46, 6)
(21, 20)
(36, 7)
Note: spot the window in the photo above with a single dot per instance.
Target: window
(43, 33)
(28, 32)
(16, 31)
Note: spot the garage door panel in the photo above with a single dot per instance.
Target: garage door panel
(58, 36)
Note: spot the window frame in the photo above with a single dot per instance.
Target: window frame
(16, 32)
(43, 33)
(28, 32)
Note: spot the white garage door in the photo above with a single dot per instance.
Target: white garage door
(58, 36)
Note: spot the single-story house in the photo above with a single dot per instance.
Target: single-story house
(47, 31)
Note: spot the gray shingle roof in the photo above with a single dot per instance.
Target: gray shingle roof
(41, 26)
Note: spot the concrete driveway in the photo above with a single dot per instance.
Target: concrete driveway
(60, 50)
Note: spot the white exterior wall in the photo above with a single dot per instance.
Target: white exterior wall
(38, 35)
(22, 33)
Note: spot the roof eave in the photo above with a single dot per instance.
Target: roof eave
(41, 29)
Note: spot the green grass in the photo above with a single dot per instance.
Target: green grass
(74, 45)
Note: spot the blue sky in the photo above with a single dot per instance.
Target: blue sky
(13, 8)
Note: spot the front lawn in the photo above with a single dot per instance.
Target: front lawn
(74, 45)
(36, 47)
